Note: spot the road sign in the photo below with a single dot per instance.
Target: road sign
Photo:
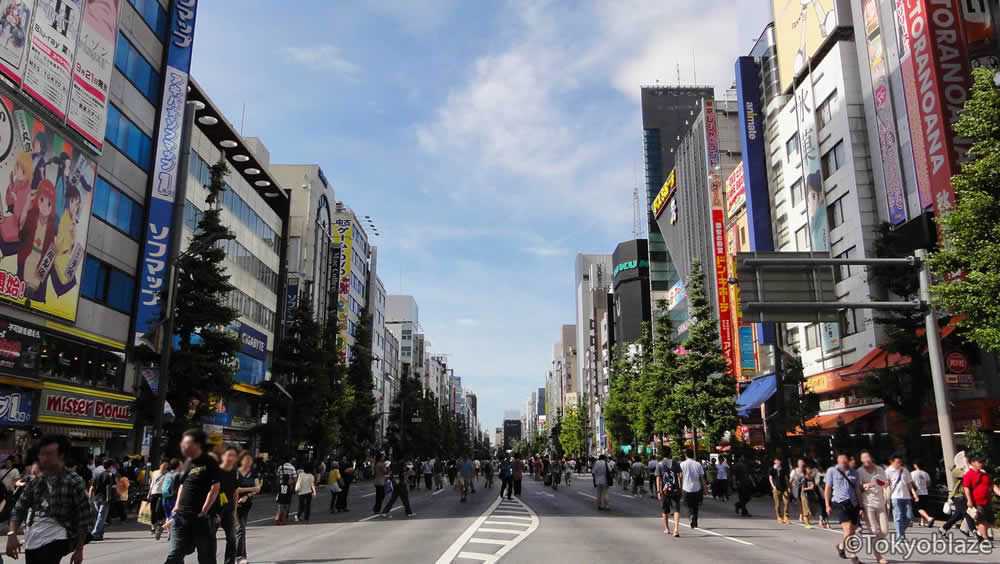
(957, 363)
(764, 286)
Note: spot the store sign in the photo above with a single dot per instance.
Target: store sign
(748, 356)
(15, 406)
(252, 355)
(47, 184)
(58, 404)
(960, 381)
(157, 244)
(663, 196)
(252, 341)
(51, 48)
(736, 194)
(957, 363)
(19, 348)
(938, 59)
(630, 265)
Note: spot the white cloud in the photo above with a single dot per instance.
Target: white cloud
(467, 322)
(545, 251)
(322, 57)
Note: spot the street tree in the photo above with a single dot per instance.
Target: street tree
(661, 375)
(358, 416)
(570, 432)
(204, 360)
(966, 265)
(703, 385)
(620, 404)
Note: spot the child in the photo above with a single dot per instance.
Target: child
(284, 500)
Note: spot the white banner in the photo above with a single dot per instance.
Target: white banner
(95, 55)
(52, 45)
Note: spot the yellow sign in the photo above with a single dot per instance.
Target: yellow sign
(667, 190)
(800, 27)
(344, 235)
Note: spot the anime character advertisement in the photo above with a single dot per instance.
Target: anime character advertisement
(46, 189)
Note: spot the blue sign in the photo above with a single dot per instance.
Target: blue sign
(252, 342)
(163, 177)
(16, 407)
(748, 359)
(748, 89)
(252, 356)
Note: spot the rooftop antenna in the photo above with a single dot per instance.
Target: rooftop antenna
(243, 118)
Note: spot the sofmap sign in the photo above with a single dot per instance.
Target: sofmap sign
(20, 346)
(164, 175)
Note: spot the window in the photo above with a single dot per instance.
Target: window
(842, 273)
(812, 337)
(792, 338)
(832, 160)
(154, 15)
(105, 284)
(130, 62)
(849, 322)
(802, 238)
(116, 209)
(128, 138)
(797, 195)
(835, 213)
(792, 146)
(824, 113)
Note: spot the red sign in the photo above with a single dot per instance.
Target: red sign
(57, 403)
(940, 86)
(722, 290)
(957, 363)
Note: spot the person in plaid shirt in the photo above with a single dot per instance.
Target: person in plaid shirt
(60, 514)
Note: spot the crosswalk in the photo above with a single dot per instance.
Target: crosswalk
(495, 533)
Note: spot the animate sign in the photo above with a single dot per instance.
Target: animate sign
(630, 265)
(57, 405)
(666, 191)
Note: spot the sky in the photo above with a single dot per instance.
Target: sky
(490, 141)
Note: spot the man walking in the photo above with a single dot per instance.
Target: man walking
(778, 477)
(101, 492)
(428, 472)
(722, 478)
(601, 474)
(842, 495)
(901, 494)
(636, 470)
(517, 474)
(506, 478)
(873, 484)
(651, 476)
(399, 489)
(199, 479)
(921, 483)
(378, 473)
(979, 489)
(693, 485)
(438, 474)
(466, 473)
(667, 476)
(744, 486)
(53, 508)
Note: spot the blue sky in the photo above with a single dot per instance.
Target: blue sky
(490, 141)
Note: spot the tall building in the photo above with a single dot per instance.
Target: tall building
(352, 290)
(592, 277)
(403, 321)
(666, 114)
(511, 432)
(631, 293)
(381, 373)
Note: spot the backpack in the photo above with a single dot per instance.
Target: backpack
(668, 478)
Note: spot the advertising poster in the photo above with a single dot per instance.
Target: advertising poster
(95, 55)
(885, 120)
(344, 236)
(20, 347)
(47, 187)
(15, 21)
(800, 27)
(936, 53)
(736, 194)
(16, 407)
(51, 48)
(164, 176)
(252, 357)
(748, 360)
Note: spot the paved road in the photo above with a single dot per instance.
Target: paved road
(543, 526)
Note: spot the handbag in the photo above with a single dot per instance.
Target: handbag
(335, 487)
(145, 513)
(948, 507)
(972, 512)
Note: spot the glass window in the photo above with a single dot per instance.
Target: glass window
(107, 285)
(849, 322)
(792, 146)
(154, 15)
(824, 113)
(842, 273)
(802, 238)
(792, 338)
(130, 62)
(812, 337)
(797, 196)
(116, 209)
(94, 281)
(832, 160)
(835, 213)
(121, 290)
(128, 138)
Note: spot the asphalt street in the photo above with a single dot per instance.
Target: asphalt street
(543, 526)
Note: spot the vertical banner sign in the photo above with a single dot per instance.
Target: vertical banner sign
(47, 184)
(718, 222)
(910, 83)
(95, 53)
(885, 120)
(163, 178)
(937, 58)
(16, 23)
(51, 48)
(344, 234)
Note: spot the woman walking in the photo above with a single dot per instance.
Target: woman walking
(336, 485)
(247, 486)
(305, 488)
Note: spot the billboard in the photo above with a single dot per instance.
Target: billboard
(88, 99)
(664, 194)
(885, 118)
(252, 356)
(51, 47)
(736, 194)
(344, 236)
(16, 407)
(16, 15)
(935, 52)
(163, 178)
(800, 27)
(47, 188)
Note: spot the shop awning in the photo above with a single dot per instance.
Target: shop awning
(832, 421)
(760, 390)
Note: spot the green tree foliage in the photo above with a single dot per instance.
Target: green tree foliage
(403, 435)
(203, 365)
(570, 432)
(621, 401)
(702, 384)
(966, 265)
(644, 404)
(358, 416)
(801, 404)
(660, 377)
(555, 449)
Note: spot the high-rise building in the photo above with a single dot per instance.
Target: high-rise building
(355, 257)
(511, 432)
(632, 305)
(593, 277)
(402, 320)
(666, 113)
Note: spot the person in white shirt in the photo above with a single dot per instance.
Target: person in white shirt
(692, 484)
(722, 478)
(901, 494)
(602, 475)
(305, 488)
(873, 487)
(921, 483)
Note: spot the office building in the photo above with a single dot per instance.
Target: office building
(354, 256)
(402, 320)
(511, 432)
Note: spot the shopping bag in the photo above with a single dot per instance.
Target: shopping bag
(145, 513)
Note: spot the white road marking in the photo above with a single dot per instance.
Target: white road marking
(741, 541)
(376, 515)
(368, 494)
(587, 495)
(519, 531)
(819, 528)
(437, 492)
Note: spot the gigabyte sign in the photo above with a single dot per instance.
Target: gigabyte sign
(666, 191)
(630, 265)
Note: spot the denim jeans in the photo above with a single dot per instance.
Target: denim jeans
(191, 533)
(102, 518)
(902, 512)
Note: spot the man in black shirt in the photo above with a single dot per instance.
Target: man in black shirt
(193, 527)
(778, 476)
